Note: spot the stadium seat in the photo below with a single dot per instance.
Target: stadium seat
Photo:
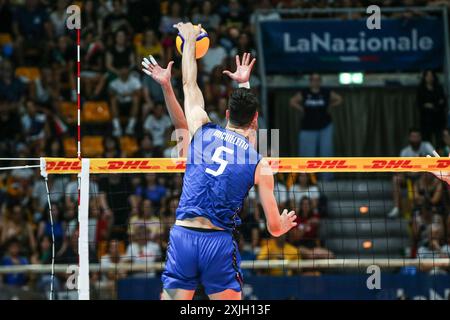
(29, 73)
(95, 112)
(92, 146)
(128, 145)
(5, 38)
(70, 147)
(68, 110)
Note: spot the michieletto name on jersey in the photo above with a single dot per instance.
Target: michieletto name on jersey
(220, 171)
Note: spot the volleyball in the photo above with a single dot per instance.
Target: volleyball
(201, 46)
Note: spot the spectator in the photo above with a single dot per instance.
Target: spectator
(316, 134)
(175, 15)
(45, 89)
(142, 250)
(216, 54)
(117, 19)
(415, 148)
(112, 257)
(90, 18)
(13, 258)
(433, 248)
(428, 189)
(432, 107)
(12, 89)
(268, 16)
(32, 31)
(243, 46)
(15, 226)
(146, 218)
(58, 18)
(422, 222)
(304, 188)
(157, 125)
(56, 185)
(92, 59)
(112, 148)
(152, 191)
(145, 149)
(125, 94)
(305, 235)
(150, 45)
(235, 16)
(34, 123)
(69, 251)
(218, 86)
(206, 17)
(43, 254)
(152, 90)
(63, 60)
(119, 56)
(53, 228)
(278, 249)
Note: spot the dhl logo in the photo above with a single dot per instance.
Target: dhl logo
(141, 165)
(61, 165)
(327, 164)
(72, 165)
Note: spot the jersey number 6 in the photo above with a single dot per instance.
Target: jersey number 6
(216, 158)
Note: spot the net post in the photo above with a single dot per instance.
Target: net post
(83, 227)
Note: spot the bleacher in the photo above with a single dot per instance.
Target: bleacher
(357, 226)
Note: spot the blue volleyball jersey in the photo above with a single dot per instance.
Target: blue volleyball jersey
(220, 171)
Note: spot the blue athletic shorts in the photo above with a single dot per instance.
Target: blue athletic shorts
(210, 258)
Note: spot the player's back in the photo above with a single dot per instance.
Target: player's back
(219, 173)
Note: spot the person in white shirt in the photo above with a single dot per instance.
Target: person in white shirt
(142, 250)
(304, 188)
(433, 248)
(157, 124)
(216, 54)
(415, 148)
(124, 96)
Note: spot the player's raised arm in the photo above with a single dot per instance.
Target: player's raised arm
(194, 104)
(243, 70)
(162, 76)
(277, 224)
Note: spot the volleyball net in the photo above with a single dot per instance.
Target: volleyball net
(101, 226)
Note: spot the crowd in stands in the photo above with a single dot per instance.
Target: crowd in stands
(124, 115)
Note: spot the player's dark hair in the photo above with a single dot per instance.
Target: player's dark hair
(242, 105)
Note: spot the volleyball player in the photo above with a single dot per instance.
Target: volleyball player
(222, 166)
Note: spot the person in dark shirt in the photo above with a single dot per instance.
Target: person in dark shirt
(432, 108)
(314, 103)
(13, 258)
(12, 89)
(32, 31)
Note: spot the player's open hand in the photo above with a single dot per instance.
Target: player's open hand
(287, 221)
(443, 175)
(243, 69)
(187, 30)
(154, 70)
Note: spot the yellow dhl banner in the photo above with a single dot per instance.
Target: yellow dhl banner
(169, 165)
